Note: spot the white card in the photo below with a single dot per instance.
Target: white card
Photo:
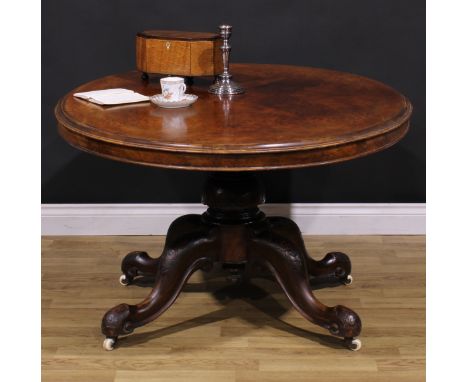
(115, 96)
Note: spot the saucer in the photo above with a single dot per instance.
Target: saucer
(187, 100)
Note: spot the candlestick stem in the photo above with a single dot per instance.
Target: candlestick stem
(223, 83)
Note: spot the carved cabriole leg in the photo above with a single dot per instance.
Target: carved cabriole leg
(190, 245)
(334, 268)
(279, 247)
(236, 233)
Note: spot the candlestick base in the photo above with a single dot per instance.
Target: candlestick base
(225, 87)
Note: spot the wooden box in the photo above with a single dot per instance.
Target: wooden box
(179, 53)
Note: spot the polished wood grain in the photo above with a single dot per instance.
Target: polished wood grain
(206, 58)
(218, 332)
(166, 57)
(289, 117)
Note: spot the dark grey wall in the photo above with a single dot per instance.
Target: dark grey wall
(381, 39)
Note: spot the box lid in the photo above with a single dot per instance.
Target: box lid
(178, 35)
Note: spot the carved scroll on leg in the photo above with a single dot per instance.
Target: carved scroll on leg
(190, 245)
(335, 267)
(275, 247)
(138, 263)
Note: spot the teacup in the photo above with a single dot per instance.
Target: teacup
(173, 88)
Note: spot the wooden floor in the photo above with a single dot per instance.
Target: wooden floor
(219, 332)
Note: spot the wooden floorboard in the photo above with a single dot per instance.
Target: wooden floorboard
(220, 332)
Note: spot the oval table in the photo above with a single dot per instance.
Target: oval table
(289, 117)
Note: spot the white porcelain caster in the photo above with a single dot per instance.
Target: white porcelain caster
(123, 280)
(108, 344)
(354, 344)
(349, 280)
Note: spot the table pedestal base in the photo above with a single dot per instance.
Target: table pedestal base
(233, 231)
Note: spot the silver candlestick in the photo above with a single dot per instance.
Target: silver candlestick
(223, 84)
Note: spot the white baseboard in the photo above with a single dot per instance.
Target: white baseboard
(154, 219)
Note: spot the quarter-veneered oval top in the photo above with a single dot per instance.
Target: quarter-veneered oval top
(288, 117)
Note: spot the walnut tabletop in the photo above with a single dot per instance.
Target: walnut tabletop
(289, 117)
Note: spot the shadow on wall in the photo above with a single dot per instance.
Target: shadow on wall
(88, 179)
(390, 176)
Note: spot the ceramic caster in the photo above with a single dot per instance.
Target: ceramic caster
(354, 344)
(123, 280)
(349, 280)
(108, 344)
